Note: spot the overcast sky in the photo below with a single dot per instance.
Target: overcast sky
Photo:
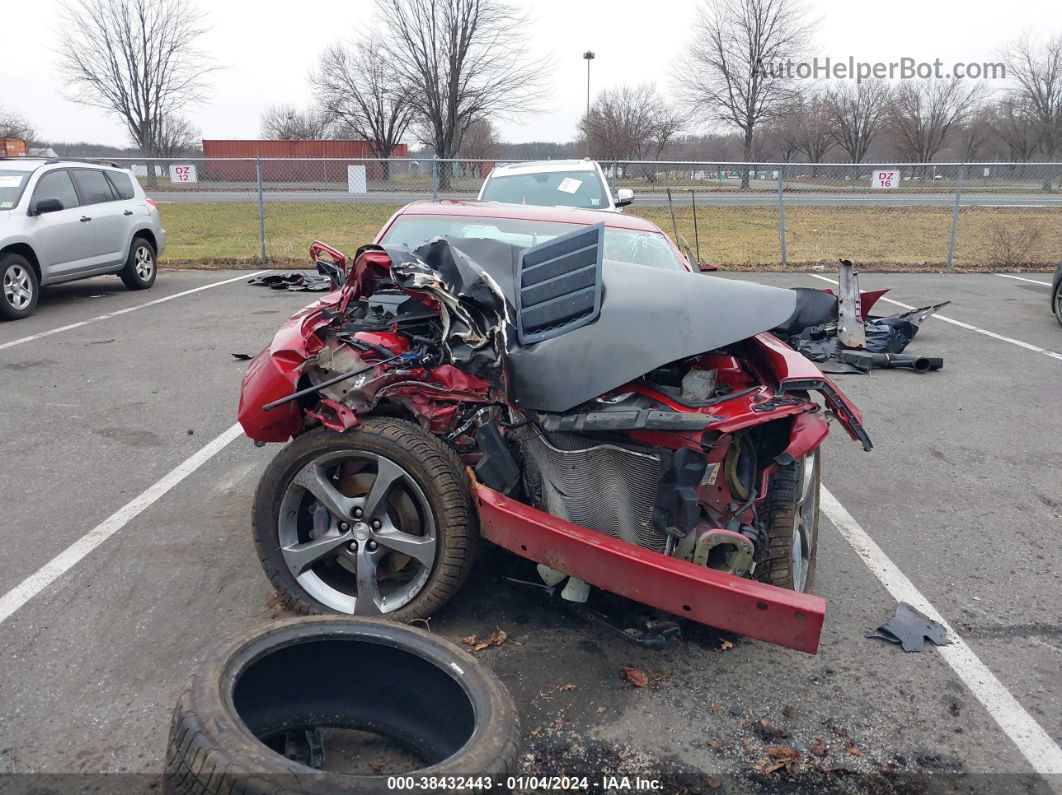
(266, 49)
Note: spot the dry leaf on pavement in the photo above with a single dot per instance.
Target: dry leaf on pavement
(635, 676)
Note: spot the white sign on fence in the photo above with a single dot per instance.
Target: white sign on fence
(356, 180)
(140, 170)
(183, 174)
(882, 178)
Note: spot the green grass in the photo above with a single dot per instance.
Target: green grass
(906, 238)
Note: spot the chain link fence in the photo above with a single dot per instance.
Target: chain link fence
(972, 215)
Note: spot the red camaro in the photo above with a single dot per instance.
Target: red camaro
(559, 382)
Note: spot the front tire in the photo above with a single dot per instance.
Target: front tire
(19, 289)
(1056, 302)
(792, 525)
(141, 266)
(376, 521)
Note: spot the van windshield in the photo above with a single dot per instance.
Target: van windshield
(548, 189)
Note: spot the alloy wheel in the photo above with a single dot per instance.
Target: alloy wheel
(144, 262)
(357, 532)
(18, 287)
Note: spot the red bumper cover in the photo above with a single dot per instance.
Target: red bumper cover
(751, 608)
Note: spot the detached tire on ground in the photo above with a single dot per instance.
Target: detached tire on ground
(792, 526)
(334, 674)
(376, 521)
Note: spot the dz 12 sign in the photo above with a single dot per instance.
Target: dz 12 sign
(885, 178)
(183, 174)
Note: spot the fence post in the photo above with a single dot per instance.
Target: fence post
(781, 212)
(261, 209)
(955, 215)
(435, 178)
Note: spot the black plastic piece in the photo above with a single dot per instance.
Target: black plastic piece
(558, 285)
(626, 420)
(910, 628)
(871, 361)
(676, 506)
(497, 469)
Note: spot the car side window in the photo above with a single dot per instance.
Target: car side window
(56, 185)
(122, 184)
(92, 186)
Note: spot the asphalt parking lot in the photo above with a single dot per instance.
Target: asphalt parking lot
(125, 552)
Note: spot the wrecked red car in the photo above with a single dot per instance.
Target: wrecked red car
(561, 384)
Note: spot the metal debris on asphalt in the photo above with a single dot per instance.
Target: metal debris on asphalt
(294, 281)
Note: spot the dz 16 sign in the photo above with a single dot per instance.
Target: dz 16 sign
(882, 178)
(183, 173)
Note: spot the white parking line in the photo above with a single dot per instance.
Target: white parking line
(1036, 745)
(1021, 279)
(128, 309)
(1027, 345)
(69, 557)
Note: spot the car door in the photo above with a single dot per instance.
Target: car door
(127, 210)
(99, 202)
(64, 244)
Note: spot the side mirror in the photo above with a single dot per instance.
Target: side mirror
(47, 206)
(333, 264)
(624, 196)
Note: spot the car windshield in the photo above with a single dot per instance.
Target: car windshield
(12, 183)
(548, 189)
(621, 245)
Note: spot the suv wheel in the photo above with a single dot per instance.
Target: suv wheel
(18, 287)
(141, 266)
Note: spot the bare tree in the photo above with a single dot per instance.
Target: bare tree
(135, 58)
(1017, 127)
(359, 88)
(857, 114)
(460, 60)
(813, 125)
(14, 125)
(288, 123)
(480, 141)
(1037, 70)
(176, 136)
(777, 139)
(923, 113)
(975, 135)
(630, 123)
(735, 66)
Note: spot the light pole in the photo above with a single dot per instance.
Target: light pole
(588, 56)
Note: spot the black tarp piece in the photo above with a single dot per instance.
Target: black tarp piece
(819, 341)
(910, 628)
(294, 281)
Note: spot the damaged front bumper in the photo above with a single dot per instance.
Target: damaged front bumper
(761, 611)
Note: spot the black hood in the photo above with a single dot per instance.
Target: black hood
(649, 317)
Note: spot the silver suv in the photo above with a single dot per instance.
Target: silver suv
(65, 220)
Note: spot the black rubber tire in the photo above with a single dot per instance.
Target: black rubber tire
(1056, 302)
(7, 310)
(434, 467)
(130, 278)
(774, 565)
(212, 747)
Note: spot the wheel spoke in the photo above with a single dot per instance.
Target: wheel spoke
(388, 474)
(300, 557)
(420, 548)
(315, 480)
(369, 601)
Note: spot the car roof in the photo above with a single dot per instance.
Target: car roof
(544, 166)
(531, 212)
(33, 163)
(21, 163)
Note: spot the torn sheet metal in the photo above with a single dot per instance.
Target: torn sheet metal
(909, 628)
(295, 281)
